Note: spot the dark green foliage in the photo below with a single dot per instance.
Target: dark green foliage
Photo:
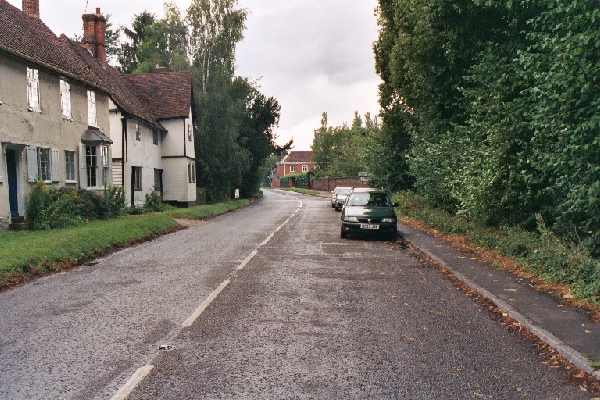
(51, 208)
(498, 104)
(153, 202)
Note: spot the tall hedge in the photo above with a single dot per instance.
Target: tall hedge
(499, 102)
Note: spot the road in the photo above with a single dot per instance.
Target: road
(302, 315)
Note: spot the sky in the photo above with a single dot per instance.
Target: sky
(314, 56)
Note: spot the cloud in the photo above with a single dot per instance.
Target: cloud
(312, 55)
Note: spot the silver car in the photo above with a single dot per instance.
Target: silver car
(339, 196)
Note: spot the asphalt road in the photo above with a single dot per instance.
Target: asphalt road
(309, 317)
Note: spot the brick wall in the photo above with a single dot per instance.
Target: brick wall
(328, 184)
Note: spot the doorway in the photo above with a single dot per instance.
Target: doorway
(13, 181)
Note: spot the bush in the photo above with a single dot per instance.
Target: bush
(153, 202)
(51, 208)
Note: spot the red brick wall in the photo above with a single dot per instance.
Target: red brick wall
(328, 184)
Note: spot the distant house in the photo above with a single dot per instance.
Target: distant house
(66, 115)
(295, 163)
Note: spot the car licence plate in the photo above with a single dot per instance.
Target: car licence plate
(369, 227)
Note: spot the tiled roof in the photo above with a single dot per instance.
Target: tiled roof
(169, 94)
(29, 38)
(111, 80)
(299, 156)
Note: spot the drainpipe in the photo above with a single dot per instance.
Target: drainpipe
(123, 150)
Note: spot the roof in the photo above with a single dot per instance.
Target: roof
(29, 38)
(95, 135)
(299, 156)
(168, 94)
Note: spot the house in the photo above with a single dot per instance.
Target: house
(54, 113)
(147, 160)
(65, 114)
(295, 163)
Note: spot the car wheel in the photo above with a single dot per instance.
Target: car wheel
(343, 234)
(393, 236)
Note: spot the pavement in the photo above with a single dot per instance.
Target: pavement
(568, 330)
(264, 303)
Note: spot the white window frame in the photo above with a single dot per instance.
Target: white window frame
(138, 133)
(292, 169)
(105, 160)
(190, 132)
(65, 99)
(33, 90)
(70, 178)
(40, 173)
(305, 168)
(92, 119)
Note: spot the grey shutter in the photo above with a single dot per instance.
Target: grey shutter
(82, 170)
(55, 165)
(91, 108)
(2, 158)
(32, 164)
(35, 90)
(29, 88)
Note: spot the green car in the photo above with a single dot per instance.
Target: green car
(369, 211)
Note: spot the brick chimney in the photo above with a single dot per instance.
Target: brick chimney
(94, 35)
(31, 8)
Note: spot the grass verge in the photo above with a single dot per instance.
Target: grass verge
(307, 192)
(550, 263)
(27, 254)
(208, 210)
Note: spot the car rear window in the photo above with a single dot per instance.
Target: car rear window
(370, 199)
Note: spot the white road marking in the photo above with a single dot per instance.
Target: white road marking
(135, 380)
(141, 373)
(204, 305)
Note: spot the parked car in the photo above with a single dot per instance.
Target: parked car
(339, 196)
(369, 212)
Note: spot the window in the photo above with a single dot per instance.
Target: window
(65, 99)
(304, 168)
(155, 137)
(33, 90)
(137, 178)
(138, 133)
(91, 165)
(44, 166)
(92, 108)
(192, 172)
(70, 166)
(292, 168)
(105, 165)
(190, 132)
(158, 183)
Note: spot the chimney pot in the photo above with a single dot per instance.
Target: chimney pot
(98, 11)
(31, 8)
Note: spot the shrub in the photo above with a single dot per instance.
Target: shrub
(114, 201)
(153, 202)
(50, 208)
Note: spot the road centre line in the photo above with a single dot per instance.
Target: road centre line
(135, 379)
(141, 373)
(204, 305)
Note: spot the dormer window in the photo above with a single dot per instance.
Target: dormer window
(33, 90)
(91, 95)
(65, 99)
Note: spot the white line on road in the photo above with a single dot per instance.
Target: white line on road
(204, 305)
(135, 379)
(141, 373)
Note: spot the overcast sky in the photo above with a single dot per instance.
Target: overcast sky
(312, 55)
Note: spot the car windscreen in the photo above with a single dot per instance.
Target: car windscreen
(369, 199)
(344, 192)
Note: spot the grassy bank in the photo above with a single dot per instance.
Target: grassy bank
(307, 192)
(540, 254)
(30, 253)
(208, 210)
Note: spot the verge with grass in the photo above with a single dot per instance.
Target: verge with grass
(541, 256)
(208, 210)
(307, 192)
(29, 253)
